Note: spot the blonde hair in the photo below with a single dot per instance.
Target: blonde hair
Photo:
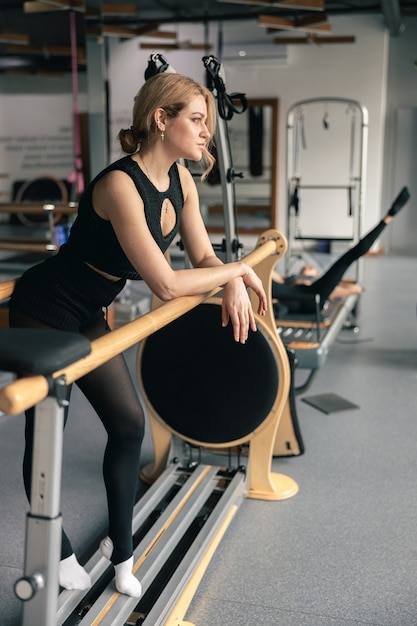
(172, 93)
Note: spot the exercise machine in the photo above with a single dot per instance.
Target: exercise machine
(180, 520)
(326, 172)
(309, 337)
(327, 142)
(226, 107)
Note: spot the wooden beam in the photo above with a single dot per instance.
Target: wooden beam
(313, 18)
(181, 45)
(19, 39)
(152, 27)
(32, 6)
(303, 5)
(314, 39)
(148, 30)
(114, 30)
(161, 34)
(284, 23)
(112, 8)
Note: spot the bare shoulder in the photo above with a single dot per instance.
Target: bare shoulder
(115, 191)
(114, 179)
(114, 184)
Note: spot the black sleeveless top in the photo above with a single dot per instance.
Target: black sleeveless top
(92, 238)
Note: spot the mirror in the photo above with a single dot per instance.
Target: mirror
(253, 138)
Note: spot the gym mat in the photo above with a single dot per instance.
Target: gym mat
(329, 403)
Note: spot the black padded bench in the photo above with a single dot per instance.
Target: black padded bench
(29, 352)
(34, 352)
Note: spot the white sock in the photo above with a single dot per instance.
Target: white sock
(106, 547)
(72, 575)
(126, 582)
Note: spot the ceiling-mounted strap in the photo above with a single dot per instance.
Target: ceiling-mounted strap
(158, 64)
(226, 103)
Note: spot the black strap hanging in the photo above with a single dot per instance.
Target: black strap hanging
(225, 102)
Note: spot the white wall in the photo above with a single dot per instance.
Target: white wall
(400, 157)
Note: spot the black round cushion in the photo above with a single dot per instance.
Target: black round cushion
(46, 189)
(203, 384)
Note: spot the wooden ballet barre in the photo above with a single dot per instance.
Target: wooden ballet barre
(24, 393)
(7, 288)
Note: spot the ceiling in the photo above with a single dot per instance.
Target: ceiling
(40, 41)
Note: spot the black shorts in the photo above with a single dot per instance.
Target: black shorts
(64, 293)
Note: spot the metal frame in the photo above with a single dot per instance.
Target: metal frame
(38, 587)
(294, 141)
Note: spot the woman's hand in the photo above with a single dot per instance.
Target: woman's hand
(236, 305)
(252, 280)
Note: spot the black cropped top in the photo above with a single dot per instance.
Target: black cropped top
(92, 238)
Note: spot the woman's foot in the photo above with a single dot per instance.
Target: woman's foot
(126, 582)
(72, 575)
(399, 202)
(106, 547)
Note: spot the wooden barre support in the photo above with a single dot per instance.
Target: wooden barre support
(26, 392)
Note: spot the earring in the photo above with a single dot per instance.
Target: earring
(162, 132)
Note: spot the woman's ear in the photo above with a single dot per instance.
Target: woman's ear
(160, 119)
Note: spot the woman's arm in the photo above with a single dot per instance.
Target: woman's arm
(118, 200)
(236, 305)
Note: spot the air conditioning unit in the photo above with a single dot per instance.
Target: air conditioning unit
(254, 54)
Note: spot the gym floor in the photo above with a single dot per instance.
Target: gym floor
(343, 550)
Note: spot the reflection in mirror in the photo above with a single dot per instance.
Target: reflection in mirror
(253, 138)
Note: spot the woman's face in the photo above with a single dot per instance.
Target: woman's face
(187, 134)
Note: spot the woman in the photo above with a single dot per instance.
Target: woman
(330, 285)
(127, 218)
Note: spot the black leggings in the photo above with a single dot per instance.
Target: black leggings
(112, 394)
(324, 285)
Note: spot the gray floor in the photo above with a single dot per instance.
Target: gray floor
(343, 550)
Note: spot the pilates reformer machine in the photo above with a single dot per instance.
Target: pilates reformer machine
(339, 196)
(309, 337)
(183, 515)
